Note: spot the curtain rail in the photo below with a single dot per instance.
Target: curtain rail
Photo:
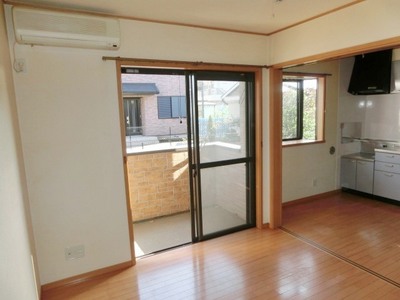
(152, 62)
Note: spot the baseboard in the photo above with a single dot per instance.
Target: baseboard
(311, 198)
(265, 226)
(85, 277)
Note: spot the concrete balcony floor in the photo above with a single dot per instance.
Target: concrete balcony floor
(175, 230)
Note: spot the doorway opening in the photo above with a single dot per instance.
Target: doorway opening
(190, 162)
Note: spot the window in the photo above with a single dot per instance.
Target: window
(303, 101)
(171, 107)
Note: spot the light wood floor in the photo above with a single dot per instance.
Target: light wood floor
(293, 263)
(364, 231)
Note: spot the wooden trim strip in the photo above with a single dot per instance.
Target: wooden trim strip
(125, 162)
(275, 141)
(311, 198)
(304, 74)
(85, 277)
(177, 64)
(321, 109)
(293, 143)
(258, 148)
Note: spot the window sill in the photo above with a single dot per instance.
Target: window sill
(301, 142)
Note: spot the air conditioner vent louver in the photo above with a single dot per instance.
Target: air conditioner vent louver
(39, 27)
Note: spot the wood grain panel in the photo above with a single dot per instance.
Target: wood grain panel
(275, 146)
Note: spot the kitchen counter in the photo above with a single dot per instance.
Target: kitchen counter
(388, 151)
(361, 156)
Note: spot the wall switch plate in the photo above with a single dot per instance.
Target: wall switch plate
(74, 252)
(20, 65)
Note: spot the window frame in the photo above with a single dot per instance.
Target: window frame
(320, 108)
(299, 109)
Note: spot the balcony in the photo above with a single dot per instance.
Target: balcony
(159, 189)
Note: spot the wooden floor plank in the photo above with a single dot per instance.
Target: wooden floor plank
(363, 230)
(273, 264)
(251, 264)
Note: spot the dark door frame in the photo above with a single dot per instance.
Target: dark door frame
(196, 165)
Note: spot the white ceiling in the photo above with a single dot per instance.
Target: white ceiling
(253, 16)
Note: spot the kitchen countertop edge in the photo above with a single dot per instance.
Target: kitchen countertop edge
(360, 156)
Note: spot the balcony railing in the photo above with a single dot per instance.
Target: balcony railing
(160, 138)
(157, 138)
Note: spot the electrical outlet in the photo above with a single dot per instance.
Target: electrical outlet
(74, 252)
(314, 182)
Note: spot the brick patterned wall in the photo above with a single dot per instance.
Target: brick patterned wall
(158, 184)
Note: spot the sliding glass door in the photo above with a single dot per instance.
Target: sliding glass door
(190, 154)
(222, 152)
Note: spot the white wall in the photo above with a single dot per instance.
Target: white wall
(382, 117)
(158, 41)
(305, 163)
(350, 108)
(68, 113)
(17, 276)
(359, 24)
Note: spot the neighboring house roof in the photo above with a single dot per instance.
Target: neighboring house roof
(140, 89)
(231, 94)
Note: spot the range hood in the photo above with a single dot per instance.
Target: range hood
(372, 74)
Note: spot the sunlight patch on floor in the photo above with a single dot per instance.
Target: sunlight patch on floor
(138, 250)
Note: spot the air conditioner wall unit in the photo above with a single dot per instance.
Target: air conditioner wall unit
(45, 27)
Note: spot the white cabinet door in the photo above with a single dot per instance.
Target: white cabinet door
(365, 176)
(387, 167)
(387, 157)
(387, 185)
(348, 173)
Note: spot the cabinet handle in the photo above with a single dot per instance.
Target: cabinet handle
(388, 175)
(389, 166)
(390, 156)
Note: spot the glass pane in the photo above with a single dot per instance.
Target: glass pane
(158, 121)
(310, 109)
(222, 119)
(290, 90)
(223, 196)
